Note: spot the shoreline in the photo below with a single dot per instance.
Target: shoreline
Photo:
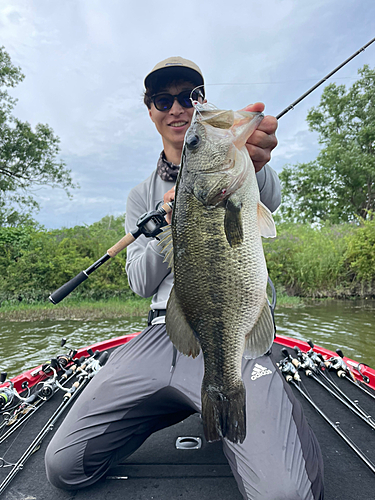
(83, 310)
(117, 308)
(87, 310)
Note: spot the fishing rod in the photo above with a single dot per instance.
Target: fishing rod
(151, 222)
(343, 371)
(9, 393)
(312, 371)
(45, 390)
(290, 376)
(148, 224)
(85, 373)
(26, 409)
(297, 101)
(336, 427)
(315, 362)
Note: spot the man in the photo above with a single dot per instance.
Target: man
(147, 385)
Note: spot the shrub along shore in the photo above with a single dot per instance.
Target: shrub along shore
(304, 262)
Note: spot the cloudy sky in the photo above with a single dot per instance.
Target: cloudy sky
(85, 61)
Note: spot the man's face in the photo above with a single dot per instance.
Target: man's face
(173, 124)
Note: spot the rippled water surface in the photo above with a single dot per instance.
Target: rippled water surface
(25, 345)
(344, 324)
(348, 325)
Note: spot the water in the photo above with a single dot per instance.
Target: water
(25, 345)
(349, 325)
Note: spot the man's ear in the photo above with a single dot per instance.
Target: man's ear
(150, 114)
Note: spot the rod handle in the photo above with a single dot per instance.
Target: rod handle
(120, 245)
(65, 290)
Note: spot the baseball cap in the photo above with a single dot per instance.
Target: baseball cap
(174, 67)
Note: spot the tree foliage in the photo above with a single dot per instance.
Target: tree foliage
(331, 260)
(339, 185)
(35, 262)
(28, 158)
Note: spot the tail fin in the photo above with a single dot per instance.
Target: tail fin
(224, 415)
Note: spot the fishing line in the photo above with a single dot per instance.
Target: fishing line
(154, 216)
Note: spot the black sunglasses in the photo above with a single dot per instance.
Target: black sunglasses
(164, 101)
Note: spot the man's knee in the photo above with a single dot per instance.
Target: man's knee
(64, 468)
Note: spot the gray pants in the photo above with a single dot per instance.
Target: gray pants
(136, 393)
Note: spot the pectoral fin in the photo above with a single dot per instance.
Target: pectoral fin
(266, 223)
(260, 339)
(179, 330)
(233, 222)
(166, 242)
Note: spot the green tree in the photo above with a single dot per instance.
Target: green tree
(34, 262)
(339, 185)
(27, 156)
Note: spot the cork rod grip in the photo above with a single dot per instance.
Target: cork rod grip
(120, 245)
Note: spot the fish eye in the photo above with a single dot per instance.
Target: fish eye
(193, 141)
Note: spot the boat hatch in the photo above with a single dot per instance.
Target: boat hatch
(188, 443)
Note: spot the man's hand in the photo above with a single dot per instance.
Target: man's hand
(169, 196)
(263, 140)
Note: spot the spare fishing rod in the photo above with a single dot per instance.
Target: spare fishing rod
(28, 405)
(291, 378)
(85, 373)
(297, 101)
(312, 371)
(148, 224)
(338, 364)
(9, 393)
(321, 367)
(343, 371)
(26, 409)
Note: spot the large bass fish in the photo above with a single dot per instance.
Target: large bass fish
(218, 302)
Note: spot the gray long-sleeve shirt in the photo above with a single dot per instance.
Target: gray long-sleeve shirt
(148, 275)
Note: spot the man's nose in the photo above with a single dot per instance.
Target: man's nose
(176, 107)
